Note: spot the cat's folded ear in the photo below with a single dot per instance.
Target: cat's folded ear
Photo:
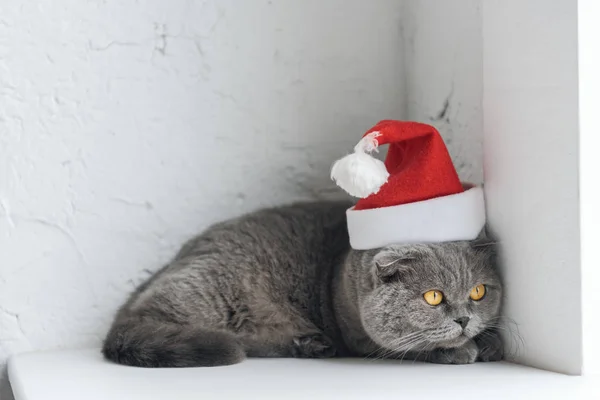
(486, 245)
(393, 262)
(484, 240)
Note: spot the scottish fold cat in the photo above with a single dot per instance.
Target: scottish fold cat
(284, 282)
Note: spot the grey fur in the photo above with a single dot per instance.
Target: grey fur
(284, 282)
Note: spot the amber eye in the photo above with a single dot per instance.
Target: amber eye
(478, 292)
(433, 297)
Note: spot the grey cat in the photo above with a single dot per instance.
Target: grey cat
(284, 282)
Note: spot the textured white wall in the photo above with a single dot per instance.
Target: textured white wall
(443, 50)
(127, 126)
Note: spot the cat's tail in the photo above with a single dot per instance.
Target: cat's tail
(149, 343)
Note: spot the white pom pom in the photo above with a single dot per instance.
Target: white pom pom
(359, 174)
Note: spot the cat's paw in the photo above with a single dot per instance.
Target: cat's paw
(490, 346)
(465, 354)
(313, 346)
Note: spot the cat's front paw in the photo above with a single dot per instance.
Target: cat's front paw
(490, 346)
(313, 346)
(465, 354)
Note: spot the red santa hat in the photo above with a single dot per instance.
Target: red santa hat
(414, 197)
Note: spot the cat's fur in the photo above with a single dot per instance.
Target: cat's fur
(284, 282)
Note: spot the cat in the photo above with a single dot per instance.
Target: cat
(284, 282)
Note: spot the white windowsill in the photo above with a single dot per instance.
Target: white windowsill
(83, 374)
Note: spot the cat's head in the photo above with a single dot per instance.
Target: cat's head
(428, 296)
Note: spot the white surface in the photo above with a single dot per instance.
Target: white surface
(589, 166)
(531, 172)
(443, 219)
(77, 375)
(443, 53)
(128, 126)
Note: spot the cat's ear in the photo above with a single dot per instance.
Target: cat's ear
(391, 263)
(484, 241)
(486, 245)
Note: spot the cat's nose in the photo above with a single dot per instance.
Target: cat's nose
(462, 321)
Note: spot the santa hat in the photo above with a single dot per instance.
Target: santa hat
(414, 197)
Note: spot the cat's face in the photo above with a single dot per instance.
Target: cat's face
(430, 296)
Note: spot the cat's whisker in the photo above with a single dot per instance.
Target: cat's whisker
(377, 354)
(395, 345)
(511, 329)
(424, 349)
(368, 356)
(405, 338)
(411, 345)
(410, 349)
(391, 351)
(429, 348)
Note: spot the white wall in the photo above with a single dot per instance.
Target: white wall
(442, 41)
(589, 165)
(531, 172)
(525, 61)
(127, 126)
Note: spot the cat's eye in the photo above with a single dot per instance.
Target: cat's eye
(477, 292)
(433, 297)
